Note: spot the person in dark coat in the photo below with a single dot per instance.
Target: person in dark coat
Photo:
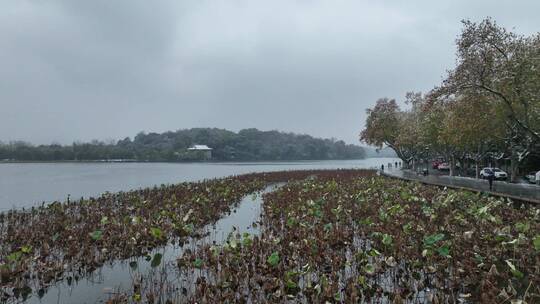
(490, 179)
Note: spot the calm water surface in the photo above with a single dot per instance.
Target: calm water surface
(28, 184)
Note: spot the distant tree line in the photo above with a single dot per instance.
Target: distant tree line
(486, 111)
(246, 145)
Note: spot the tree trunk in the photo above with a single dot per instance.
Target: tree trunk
(452, 166)
(477, 169)
(514, 165)
(404, 161)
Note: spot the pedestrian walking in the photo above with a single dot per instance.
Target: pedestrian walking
(396, 164)
(382, 167)
(490, 179)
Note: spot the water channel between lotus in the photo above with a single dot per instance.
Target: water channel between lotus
(120, 275)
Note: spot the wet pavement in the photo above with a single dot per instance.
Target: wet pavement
(526, 192)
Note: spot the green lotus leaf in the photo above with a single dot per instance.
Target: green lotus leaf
(387, 239)
(156, 232)
(96, 235)
(156, 260)
(536, 242)
(273, 259)
(434, 238)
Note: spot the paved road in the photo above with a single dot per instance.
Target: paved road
(525, 191)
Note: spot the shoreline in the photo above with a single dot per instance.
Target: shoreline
(181, 162)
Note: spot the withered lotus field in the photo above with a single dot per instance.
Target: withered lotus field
(70, 240)
(372, 239)
(327, 236)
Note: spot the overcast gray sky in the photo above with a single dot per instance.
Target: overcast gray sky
(81, 70)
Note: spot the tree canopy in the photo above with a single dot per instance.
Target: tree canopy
(487, 107)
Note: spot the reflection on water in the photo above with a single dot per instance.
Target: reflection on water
(27, 184)
(120, 275)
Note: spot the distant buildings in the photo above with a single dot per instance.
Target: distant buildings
(200, 152)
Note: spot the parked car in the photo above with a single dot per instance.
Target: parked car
(498, 173)
(486, 172)
(443, 167)
(531, 177)
(435, 164)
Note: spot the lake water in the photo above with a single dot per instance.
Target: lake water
(29, 184)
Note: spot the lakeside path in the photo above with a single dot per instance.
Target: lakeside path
(524, 192)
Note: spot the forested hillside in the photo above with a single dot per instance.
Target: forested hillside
(246, 145)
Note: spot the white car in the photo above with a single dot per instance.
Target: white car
(498, 173)
(531, 177)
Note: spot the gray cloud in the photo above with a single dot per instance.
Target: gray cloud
(79, 70)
